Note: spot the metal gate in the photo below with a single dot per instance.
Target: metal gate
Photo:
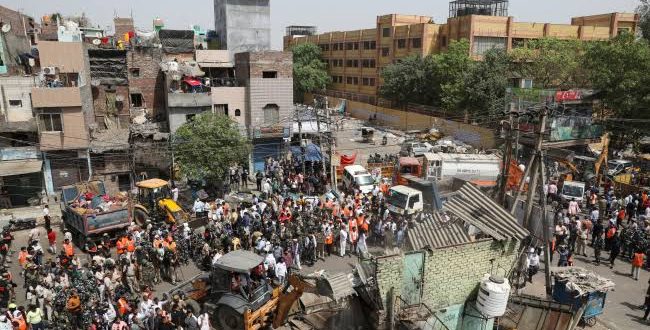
(412, 278)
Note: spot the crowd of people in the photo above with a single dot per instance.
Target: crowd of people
(611, 222)
(111, 285)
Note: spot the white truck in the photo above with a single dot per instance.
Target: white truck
(480, 169)
(572, 190)
(404, 200)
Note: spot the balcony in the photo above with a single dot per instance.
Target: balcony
(189, 100)
(57, 97)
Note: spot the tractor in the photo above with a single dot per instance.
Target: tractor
(239, 298)
(154, 203)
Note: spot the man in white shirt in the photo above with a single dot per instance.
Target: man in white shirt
(281, 270)
(343, 241)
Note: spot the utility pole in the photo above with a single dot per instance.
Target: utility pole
(507, 152)
(302, 150)
(534, 171)
(546, 226)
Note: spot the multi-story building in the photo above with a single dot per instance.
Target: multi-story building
(268, 78)
(243, 25)
(355, 58)
(63, 104)
(19, 33)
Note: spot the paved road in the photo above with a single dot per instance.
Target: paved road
(622, 307)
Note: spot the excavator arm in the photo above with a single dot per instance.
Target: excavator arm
(602, 159)
(287, 299)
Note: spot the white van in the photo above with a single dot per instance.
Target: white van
(357, 177)
(573, 190)
(405, 200)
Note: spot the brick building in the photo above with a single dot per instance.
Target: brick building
(146, 81)
(448, 258)
(355, 58)
(16, 44)
(268, 78)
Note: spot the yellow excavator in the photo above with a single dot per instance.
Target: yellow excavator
(154, 203)
(237, 299)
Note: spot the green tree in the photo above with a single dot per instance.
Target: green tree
(486, 83)
(406, 81)
(206, 146)
(449, 71)
(619, 69)
(309, 70)
(551, 63)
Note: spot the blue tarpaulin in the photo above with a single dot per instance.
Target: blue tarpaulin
(312, 153)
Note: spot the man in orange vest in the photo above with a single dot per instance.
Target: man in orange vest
(130, 245)
(22, 257)
(120, 246)
(123, 306)
(68, 248)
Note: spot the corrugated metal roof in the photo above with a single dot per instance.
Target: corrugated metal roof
(474, 207)
(437, 232)
(341, 285)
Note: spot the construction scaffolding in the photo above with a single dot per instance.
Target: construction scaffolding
(478, 7)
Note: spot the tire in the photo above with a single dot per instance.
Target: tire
(194, 305)
(590, 321)
(140, 217)
(228, 318)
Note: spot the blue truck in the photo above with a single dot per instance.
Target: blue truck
(91, 226)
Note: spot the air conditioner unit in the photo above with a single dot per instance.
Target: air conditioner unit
(49, 70)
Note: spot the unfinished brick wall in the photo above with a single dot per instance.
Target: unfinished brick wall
(150, 81)
(258, 62)
(123, 25)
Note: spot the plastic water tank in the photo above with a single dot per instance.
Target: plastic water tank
(493, 296)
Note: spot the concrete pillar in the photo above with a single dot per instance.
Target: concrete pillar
(47, 176)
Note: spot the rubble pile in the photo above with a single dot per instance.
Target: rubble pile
(89, 200)
(582, 281)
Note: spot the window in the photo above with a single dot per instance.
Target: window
(385, 52)
(136, 100)
(50, 122)
(325, 47)
(335, 47)
(369, 63)
(401, 43)
(349, 46)
(237, 113)
(355, 63)
(16, 103)
(334, 63)
(348, 63)
(135, 72)
(271, 114)
(348, 80)
(190, 117)
(443, 41)
(368, 81)
(355, 80)
(341, 62)
(367, 45)
(269, 74)
(385, 32)
(482, 44)
(221, 109)
(416, 42)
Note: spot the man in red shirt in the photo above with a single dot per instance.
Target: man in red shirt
(51, 238)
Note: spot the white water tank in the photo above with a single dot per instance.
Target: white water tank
(493, 296)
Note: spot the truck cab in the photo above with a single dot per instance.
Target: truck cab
(414, 148)
(404, 200)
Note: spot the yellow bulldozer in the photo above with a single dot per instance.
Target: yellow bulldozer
(153, 203)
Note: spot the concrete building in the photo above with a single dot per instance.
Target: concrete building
(445, 260)
(268, 78)
(63, 105)
(16, 43)
(243, 25)
(355, 58)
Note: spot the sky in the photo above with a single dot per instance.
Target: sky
(326, 15)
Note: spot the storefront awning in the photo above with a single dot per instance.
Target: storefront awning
(18, 167)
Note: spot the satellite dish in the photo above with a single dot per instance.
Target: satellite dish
(6, 27)
(97, 42)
